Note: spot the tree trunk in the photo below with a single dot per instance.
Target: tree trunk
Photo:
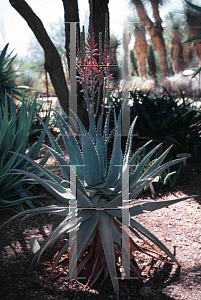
(53, 63)
(155, 32)
(141, 50)
(176, 51)
(156, 15)
(187, 51)
(99, 9)
(197, 43)
(71, 14)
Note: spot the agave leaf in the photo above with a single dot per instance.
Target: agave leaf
(134, 192)
(36, 147)
(108, 247)
(63, 165)
(117, 201)
(99, 145)
(152, 206)
(70, 137)
(135, 175)
(138, 152)
(152, 238)
(61, 252)
(118, 186)
(106, 127)
(9, 203)
(156, 164)
(65, 226)
(92, 172)
(77, 129)
(117, 236)
(163, 167)
(129, 142)
(11, 161)
(85, 230)
(53, 142)
(5, 151)
(9, 65)
(47, 155)
(63, 194)
(43, 170)
(105, 150)
(3, 54)
(54, 184)
(82, 216)
(116, 159)
(196, 72)
(39, 210)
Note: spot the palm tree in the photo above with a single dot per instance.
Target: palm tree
(193, 19)
(114, 44)
(176, 32)
(154, 29)
(134, 63)
(114, 69)
(188, 50)
(141, 49)
(176, 49)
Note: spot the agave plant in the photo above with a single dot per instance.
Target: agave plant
(7, 74)
(15, 131)
(167, 119)
(94, 200)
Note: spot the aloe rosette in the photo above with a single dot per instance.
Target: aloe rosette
(96, 224)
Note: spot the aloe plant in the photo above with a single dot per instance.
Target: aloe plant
(15, 131)
(95, 222)
(98, 219)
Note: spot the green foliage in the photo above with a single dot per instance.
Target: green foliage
(15, 130)
(167, 119)
(7, 74)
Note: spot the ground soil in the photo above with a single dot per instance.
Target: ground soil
(177, 226)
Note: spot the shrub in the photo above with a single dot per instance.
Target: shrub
(167, 119)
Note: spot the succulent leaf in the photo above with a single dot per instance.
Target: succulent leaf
(107, 242)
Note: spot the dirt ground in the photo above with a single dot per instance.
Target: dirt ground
(178, 227)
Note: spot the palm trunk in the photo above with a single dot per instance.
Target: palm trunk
(176, 51)
(196, 43)
(141, 50)
(155, 32)
(187, 52)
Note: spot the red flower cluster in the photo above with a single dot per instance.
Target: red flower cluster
(92, 74)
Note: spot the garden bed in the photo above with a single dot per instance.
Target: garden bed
(177, 226)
